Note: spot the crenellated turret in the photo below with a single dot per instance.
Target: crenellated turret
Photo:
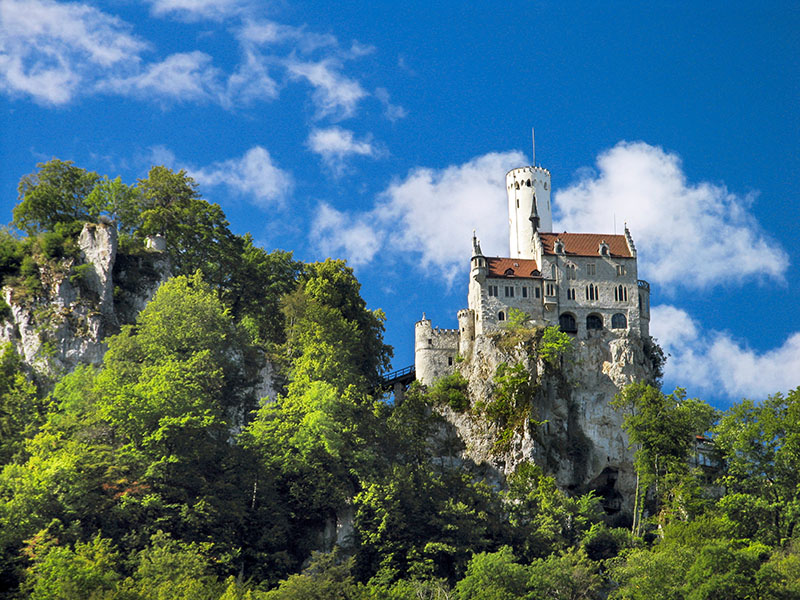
(435, 351)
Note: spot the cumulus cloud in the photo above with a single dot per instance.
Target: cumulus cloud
(715, 362)
(339, 234)
(254, 175)
(50, 51)
(430, 215)
(687, 234)
(180, 77)
(335, 144)
(335, 95)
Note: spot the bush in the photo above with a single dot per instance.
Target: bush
(52, 244)
(11, 254)
(555, 343)
(451, 391)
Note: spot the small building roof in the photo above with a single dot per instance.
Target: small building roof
(512, 267)
(586, 244)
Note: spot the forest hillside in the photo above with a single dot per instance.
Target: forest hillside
(184, 415)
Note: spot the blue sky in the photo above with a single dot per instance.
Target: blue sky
(381, 133)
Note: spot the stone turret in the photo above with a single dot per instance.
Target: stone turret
(435, 351)
(528, 190)
(466, 331)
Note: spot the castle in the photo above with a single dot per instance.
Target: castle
(583, 282)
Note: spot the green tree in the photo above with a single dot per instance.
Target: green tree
(570, 575)
(663, 430)
(170, 569)
(21, 412)
(87, 571)
(543, 518)
(493, 576)
(331, 284)
(421, 520)
(254, 294)
(328, 577)
(114, 199)
(510, 407)
(197, 233)
(760, 444)
(55, 194)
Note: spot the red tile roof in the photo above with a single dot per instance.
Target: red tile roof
(512, 267)
(586, 244)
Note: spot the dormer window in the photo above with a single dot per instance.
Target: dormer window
(603, 249)
(509, 272)
(559, 247)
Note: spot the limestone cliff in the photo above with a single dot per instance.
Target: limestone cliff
(66, 320)
(572, 431)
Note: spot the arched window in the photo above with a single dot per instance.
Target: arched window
(572, 272)
(592, 293)
(594, 322)
(516, 184)
(567, 323)
(619, 321)
(528, 183)
(620, 293)
(501, 316)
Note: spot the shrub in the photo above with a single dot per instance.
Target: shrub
(554, 344)
(451, 391)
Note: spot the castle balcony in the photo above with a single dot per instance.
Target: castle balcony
(550, 289)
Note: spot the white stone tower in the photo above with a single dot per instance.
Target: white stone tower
(528, 191)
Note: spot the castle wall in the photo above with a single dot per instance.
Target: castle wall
(489, 307)
(600, 272)
(435, 351)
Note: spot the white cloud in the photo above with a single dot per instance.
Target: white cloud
(254, 175)
(53, 52)
(180, 77)
(335, 95)
(49, 51)
(431, 213)
(335, 144)
(393, 112)
(163, 156)
(263, 33)
(193, 10)
(339, 234)
(715, 362)
(691, 235)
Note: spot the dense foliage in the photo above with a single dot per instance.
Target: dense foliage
(161, 475)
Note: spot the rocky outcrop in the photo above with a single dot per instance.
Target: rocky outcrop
(573, 433)
(66, 322)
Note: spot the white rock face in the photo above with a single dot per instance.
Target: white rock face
(98, 244)
(67, 324)
(581, 442)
